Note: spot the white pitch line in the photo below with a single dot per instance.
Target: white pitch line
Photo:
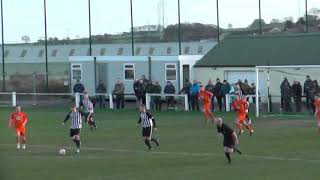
(172, 153)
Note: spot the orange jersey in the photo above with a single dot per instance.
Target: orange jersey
(19, 119)
(317, 107)
(240, 106)
(205, 96)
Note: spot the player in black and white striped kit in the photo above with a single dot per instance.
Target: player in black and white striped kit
(148, 124)
(76, 124)
(87, 106)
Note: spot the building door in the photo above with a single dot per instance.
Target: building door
(185, 73)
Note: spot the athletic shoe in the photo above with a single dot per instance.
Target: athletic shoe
(18, 146)
(78, 151)
(23, 146)
(240, 132)
(251, 133)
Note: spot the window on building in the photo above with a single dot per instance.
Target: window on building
(186, 50)
(129, 72)
(54, 53)
(151, 51)
(76, 71)
(6, 53)
(72, 51)
(120, 51)
(200, 49)
(171, 72)
(103, 51)
(169, 50)
(41, 52)
(23, 53)
(138, 51)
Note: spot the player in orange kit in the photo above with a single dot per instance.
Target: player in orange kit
(240, 105)
(206, 96)
(19, 119)
(317, 109)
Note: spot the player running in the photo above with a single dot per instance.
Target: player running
(230, 139)
(317, 110)
(206, 96)
(87, 106)
(19, 119)
(76, 124)
(148, 124)
(240, 105)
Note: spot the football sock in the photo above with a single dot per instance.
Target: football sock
(155, 141)
(147, 143)
(228, 157)
(238, 151)
(24, 140)
(249, 128)
(239, 126)
(205, 116)
(77, 142)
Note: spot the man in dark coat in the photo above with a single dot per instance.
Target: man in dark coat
(307, 86)
(217, 93)
(210, 87)
(170, 89)
(297, 93)
(101, 89)
(286, 95)
(157, 99)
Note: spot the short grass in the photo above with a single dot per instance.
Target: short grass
(284, 147)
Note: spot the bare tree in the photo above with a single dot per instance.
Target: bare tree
(25, 39)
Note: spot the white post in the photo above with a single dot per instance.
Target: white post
(77, 96)
(257, 92)
(147, 101)
(186, 102)
(14, 99)
(111, 101)
(227, 102)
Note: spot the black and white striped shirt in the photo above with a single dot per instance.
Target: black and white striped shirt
(87, 106)
(76, 119)
(147, 120)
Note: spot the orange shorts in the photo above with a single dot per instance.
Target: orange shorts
(241, 118)
(21, 131)
(206, 106)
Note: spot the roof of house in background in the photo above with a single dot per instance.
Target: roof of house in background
(264, 50)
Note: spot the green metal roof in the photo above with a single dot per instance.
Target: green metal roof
(268, 50)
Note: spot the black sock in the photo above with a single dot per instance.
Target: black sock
(155, 141)
(228, 157)
(77, 143)
(147, 143)
(238, 151)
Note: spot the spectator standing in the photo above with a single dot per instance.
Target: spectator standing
(313, 92)
(225, 89)
(170, 89)
(286, 92)
(149, 89)
(253, 92)
(186, 90)
(210, 87)
(157, 99)
(297, 94)
(119, 92)
(136, 92)
(79, 88)
(217, 93)
(101, 89)
(307, 86)
(282, 87)
(194, 91)
(141, 92)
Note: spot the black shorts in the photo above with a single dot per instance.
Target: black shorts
(147, 132)
(74, 132)
(229, 142)
(88, 115)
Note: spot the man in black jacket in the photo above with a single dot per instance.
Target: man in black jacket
(170, 89)
(217, 93)
(307, 86)
(297, 93)
(101, 89)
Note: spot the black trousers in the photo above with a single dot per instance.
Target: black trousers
(287, 104)
(120, 102)
(102, 101)
(194, 103)
(158, 103)
(170, 101)
(297, 103)
(219, 100)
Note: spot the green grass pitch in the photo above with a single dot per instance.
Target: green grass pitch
(281, 148)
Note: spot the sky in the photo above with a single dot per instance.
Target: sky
(69, 18)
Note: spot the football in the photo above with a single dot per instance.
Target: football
(62, 152)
